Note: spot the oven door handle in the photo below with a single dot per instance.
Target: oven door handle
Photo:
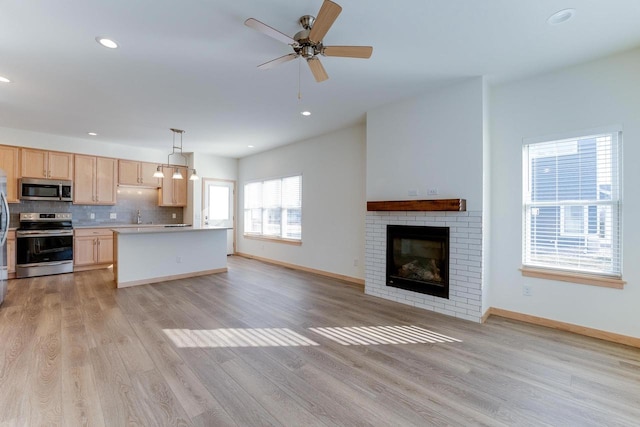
(5, 226)
(44, 233)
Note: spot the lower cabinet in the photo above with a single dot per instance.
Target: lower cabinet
(92, 248)
(11, 254)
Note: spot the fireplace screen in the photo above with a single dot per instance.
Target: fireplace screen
(418, 259)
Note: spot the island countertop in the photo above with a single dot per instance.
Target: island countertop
(162, 229)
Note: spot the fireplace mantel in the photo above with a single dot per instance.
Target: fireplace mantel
(452, 205)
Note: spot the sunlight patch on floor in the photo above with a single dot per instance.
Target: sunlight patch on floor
(375, 335)
(237, 337)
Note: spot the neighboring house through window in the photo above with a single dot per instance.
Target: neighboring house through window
(572, 216)
(273, 208)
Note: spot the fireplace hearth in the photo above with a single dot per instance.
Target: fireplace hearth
(418, 259)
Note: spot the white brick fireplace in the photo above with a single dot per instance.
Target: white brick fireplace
(465, 261)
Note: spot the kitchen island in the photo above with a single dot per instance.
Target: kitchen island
(155, 254)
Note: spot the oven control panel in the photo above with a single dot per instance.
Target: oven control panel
(60, 216)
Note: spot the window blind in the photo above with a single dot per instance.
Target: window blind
(572, 212)
(273, 208)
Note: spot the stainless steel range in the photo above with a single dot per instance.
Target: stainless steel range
(44, 244)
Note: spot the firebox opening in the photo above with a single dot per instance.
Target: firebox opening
(418, 259)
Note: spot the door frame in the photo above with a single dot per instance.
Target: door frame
(205, 181)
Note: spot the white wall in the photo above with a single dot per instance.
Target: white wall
(486, 199)
(434, 140)
(596, 94)
(333, 203)
(96, 146)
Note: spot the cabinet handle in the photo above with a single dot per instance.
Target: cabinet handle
(44, 173)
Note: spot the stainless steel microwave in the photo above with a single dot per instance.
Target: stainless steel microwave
(46, 189)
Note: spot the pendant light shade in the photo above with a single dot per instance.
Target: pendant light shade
(194, 176)
(176, 174)
(158, 173)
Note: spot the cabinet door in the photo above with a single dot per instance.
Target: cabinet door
(146, 175)
(34, 163)
(106, 180)
(60, 165)
(128, 172)
(9, 164)
(84, 250)
(180, 189)
(105, 250)
(84, 181)
(165, 195)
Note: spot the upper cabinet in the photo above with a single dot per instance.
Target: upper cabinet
(173, 192)
(9, 164)
(137, 173)
(94, 180)
(46, 164)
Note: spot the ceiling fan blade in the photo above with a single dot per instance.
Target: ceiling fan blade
(363, 52)
(317, 69)
(327, 15)
(278, 61)
(271, 32)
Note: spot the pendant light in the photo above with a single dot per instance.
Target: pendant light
(176, 150)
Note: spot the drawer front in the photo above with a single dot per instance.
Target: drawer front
(97, 232)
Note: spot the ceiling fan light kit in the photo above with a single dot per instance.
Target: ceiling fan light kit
(307, 43)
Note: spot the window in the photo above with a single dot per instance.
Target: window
(273, 208)
(572, 216)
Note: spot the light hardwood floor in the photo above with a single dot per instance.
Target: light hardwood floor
(231, 349)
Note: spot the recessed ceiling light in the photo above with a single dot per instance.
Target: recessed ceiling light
(306, 113)
(249, 146)
(4, 80)
(107, 42)
(92, 133)
(561, 16)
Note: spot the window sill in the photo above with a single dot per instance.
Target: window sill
(274, 239)
(584, 279)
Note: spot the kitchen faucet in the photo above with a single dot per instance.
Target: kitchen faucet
(139, 218)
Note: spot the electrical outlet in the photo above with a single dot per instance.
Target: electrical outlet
(92, 216)
(527, 291)
(355, 262)
(179, 259)
(173, 216)
(412, 192)
(113, 215)
(432, 192)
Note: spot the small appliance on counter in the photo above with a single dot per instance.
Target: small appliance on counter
(44, 244)
(4, 231)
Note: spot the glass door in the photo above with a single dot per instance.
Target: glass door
(218, 207)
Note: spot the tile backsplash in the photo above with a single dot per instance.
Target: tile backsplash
(130, 200)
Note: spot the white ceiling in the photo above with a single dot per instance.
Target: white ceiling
(191, 64)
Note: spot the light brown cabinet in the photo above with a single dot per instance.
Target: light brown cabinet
(94, 180)
(173, 192)
(11, 254)
(46, 164)
(92, 248)
(137, 173)
(9, 164)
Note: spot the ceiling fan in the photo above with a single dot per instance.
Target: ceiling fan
(307, 43)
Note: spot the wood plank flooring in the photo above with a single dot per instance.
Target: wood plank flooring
(238, 349)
